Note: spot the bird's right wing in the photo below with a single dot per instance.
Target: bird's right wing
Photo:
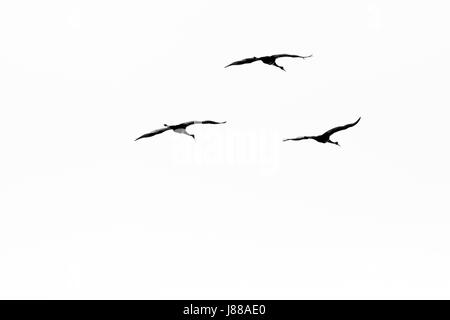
(298, 138)
(210, 122)
(243, 61)
(276, 56)
(186, 124)
(334, 130)
(153, 133)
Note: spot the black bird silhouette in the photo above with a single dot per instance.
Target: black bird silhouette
(325, 137)
(178, 128)
(270, 60)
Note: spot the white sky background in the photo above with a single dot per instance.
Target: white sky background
(86, 212)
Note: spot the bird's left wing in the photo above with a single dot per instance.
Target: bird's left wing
(243, 61)
(153, 133)
(298, 138)
(334, 130)
(276, 56)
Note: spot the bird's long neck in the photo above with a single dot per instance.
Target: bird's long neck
(334, 142)
(276, 65)
(183, 131)
(189, 134)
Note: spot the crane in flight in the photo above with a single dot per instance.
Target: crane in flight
(325, 137)
(178, 128)
(270, 60)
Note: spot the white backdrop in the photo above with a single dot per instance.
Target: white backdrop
(86, 212)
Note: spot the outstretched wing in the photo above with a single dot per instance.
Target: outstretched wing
(153, 133)
(298, 138)
(186, 124)
(210, 122)
(243, 61)
(276, 56)
(334, 130)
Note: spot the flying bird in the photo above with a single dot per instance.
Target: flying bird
(325, 137)
(270, 60)
(178, 128)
